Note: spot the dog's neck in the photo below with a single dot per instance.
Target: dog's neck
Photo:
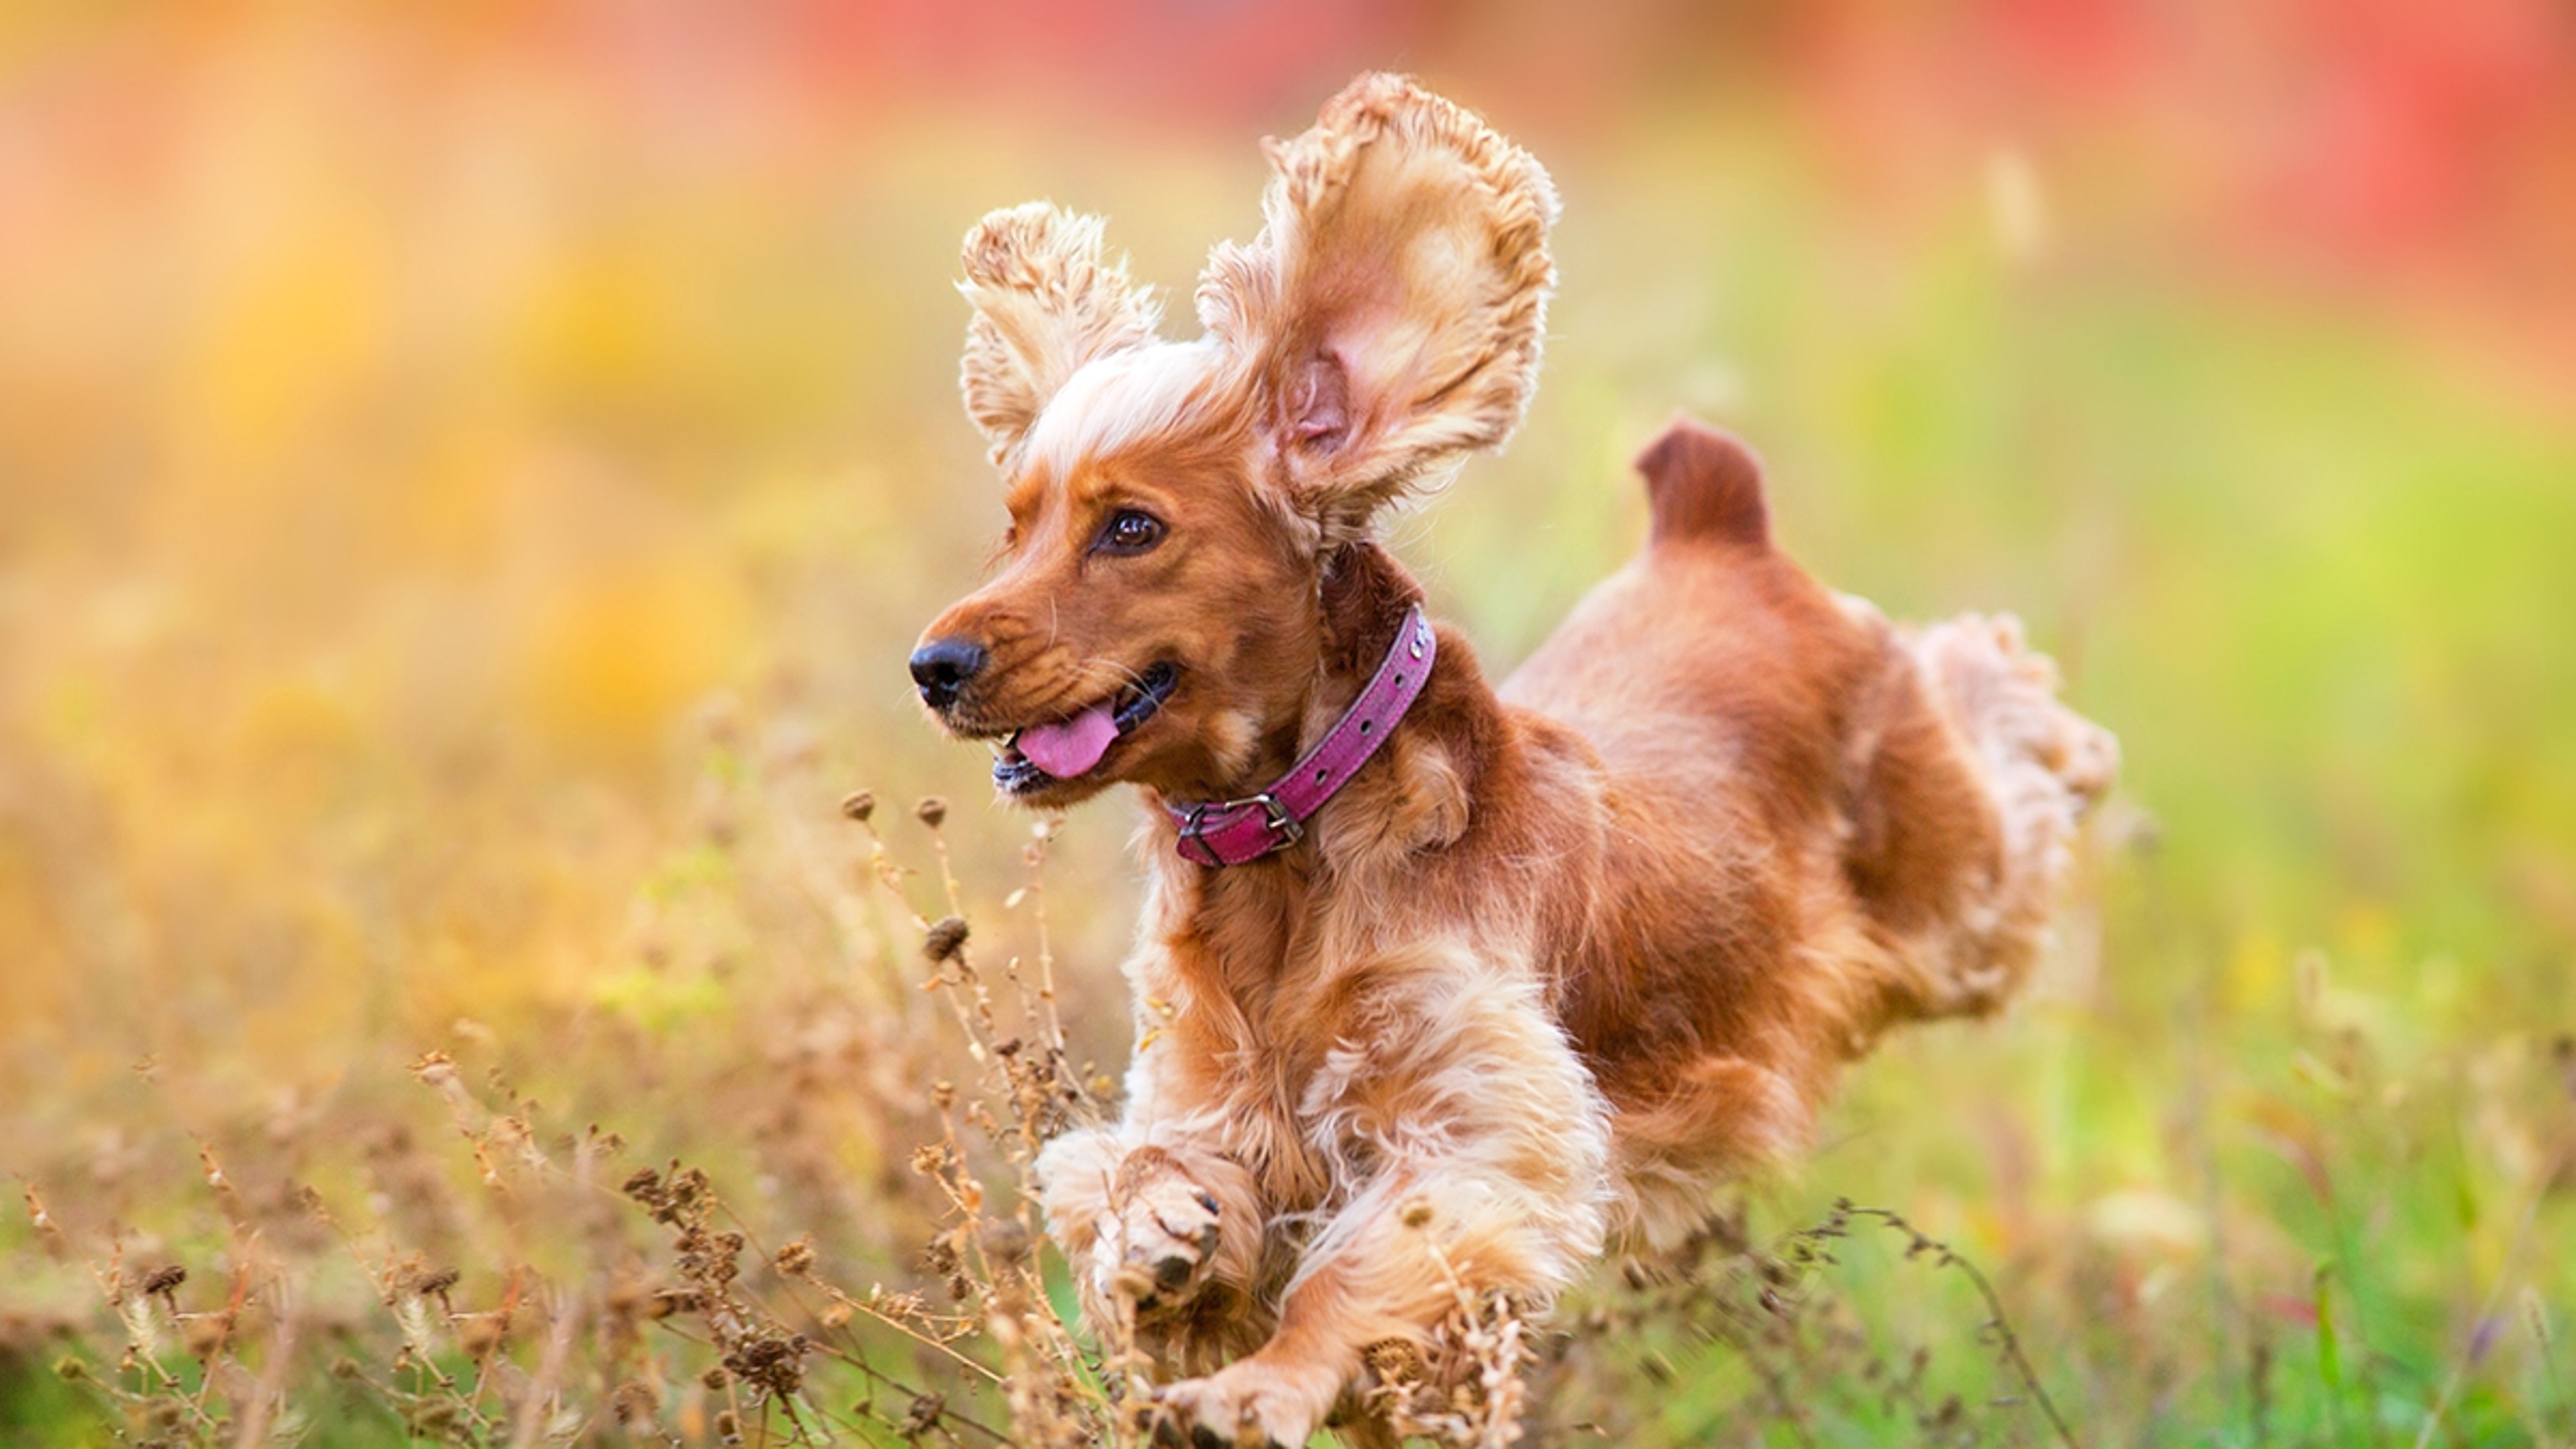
(1241, 829)
(1363, 600)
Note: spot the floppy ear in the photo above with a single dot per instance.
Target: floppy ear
(1045, 304)
(1392, 308)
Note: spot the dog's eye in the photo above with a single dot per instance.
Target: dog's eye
(1130, 532)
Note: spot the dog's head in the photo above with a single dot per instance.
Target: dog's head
(1157, 612)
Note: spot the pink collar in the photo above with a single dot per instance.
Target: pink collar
(1235, 832)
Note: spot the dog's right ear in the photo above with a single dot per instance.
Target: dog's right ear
(1045, 304)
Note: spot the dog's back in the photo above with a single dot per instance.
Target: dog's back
(1790, 779)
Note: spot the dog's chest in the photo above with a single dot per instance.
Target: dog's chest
(1246, 1001)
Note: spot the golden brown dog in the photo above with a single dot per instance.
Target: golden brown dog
(1552, 957)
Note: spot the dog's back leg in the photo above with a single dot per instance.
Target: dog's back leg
(1969, 779)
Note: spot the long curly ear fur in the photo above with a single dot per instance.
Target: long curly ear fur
(1395, 301)
(1045, 304)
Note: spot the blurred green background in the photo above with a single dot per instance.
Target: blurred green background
(457, 463)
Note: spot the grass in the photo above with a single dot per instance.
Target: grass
(843, 1255)
(449, 996)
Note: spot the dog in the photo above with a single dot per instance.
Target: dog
(1443, 984)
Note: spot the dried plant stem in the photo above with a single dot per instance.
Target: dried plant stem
(1996, 1319)
(533, 1410)
(1037, 855)
(1776, 1385)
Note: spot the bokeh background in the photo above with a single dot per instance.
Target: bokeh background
(469, 475)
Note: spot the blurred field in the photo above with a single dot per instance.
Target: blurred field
(468, 478)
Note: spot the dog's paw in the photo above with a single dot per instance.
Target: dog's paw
(1246, 1405)
(1161, 1243)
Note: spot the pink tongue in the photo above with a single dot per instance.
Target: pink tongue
(1069, 747)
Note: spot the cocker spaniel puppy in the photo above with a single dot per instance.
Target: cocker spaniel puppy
(1440, 980)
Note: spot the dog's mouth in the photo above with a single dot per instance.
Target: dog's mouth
(1040, 755)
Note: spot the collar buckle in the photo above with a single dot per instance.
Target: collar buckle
(1275, 816)
(1282, 824)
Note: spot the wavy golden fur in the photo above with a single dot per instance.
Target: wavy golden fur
(1566, 951)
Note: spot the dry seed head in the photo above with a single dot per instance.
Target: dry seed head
(644, 1185)
(669, 1301)
(205, 1336)
(858, 805)
(633, 1402)
(1393, 1358)
(46, 1231)
(1006, 1240)
(931, 811)
(944, 939)
(940, 1254)
(774, 1365)
(688, 1187)
(163, 1280)
(796, 1259)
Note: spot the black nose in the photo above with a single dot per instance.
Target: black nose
(942, 667)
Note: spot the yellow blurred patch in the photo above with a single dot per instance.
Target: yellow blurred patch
(612, 657)
(2369, 930)
(30, 934)
(2258, 969)
(295, 737)
(286, 341)
(2144, 1218)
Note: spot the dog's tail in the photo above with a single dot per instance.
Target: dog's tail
(1703, 483)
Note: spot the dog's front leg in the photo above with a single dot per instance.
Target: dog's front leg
(1486, 1153)
(1164, 1223)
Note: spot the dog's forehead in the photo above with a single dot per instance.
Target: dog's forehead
(1164, 393)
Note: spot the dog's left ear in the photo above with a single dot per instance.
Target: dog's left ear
(1392, 308)
(1046, 302)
